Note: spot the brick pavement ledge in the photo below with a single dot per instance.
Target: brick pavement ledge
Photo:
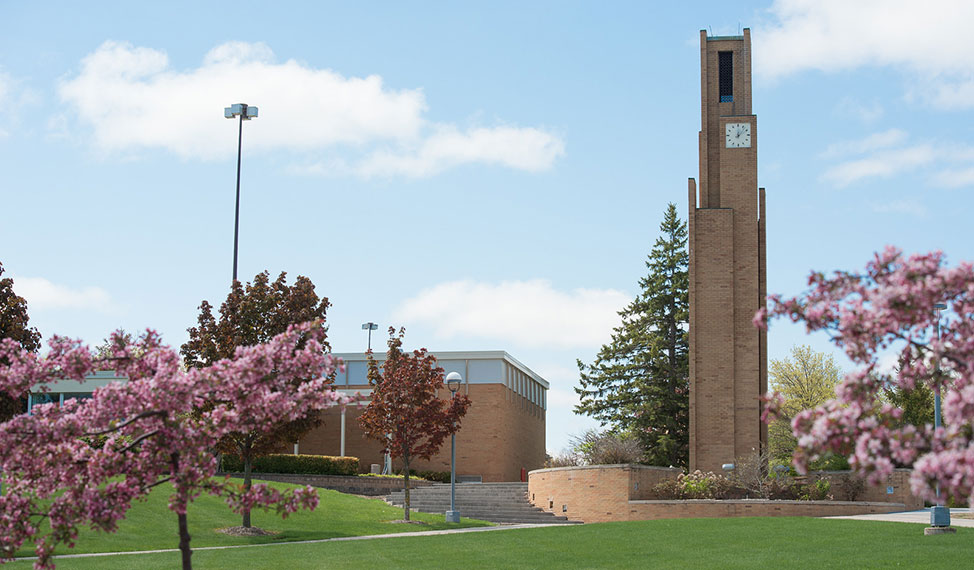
(364, 485)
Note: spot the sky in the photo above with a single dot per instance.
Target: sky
(490, 176)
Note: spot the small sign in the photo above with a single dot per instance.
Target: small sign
(889, 489)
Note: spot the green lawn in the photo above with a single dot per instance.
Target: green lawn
(150, 525)
(682, 543)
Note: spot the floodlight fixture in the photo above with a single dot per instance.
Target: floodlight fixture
(370, 326)
(242, 110)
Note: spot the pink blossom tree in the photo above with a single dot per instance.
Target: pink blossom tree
(891, 307)
(150, 434)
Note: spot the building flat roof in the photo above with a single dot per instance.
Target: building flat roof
(457, 355)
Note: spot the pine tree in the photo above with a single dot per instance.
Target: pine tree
(639, 382)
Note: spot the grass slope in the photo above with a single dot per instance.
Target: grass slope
(150, 525)
(683, 543)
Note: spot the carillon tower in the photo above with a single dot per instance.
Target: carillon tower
(728, 278)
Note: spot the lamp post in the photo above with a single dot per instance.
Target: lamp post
(453, 380)
(370, 326)
(245, 112)
(939, 514)
(387, 459)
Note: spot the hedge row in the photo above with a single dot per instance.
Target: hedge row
(295, 464)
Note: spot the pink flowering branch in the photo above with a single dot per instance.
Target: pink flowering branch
(891, 306)
(155, 430)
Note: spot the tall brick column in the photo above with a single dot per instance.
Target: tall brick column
(728, 356)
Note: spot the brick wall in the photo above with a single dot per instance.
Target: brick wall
(596, 492)
(703, 508)
(502, 433)
(899, 480)
(603, 493)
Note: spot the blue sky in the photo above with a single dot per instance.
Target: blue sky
(490, 176)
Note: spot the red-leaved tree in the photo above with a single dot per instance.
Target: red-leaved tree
(253, 314)
(405, 412)
(891, 307)
(150, 434)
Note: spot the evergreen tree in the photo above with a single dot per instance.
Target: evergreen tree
(917, 404)
(639, 382)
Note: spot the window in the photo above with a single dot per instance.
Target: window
(725, 75)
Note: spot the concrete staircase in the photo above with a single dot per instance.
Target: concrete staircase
(495, 502)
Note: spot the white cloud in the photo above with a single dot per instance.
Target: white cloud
(865, 112)
(565, 399)
(14, 97)
(907, 207)
(522, 148)
(929, 39)
(132, 99)
(875, 141)
(955, 178)
(525, 313)
(884, 154)
(881, 164)
(41, 294)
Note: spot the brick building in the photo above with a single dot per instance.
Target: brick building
(728, 277)
(502, 434)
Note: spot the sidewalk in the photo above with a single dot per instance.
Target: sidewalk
(339, 539)
(921, 516)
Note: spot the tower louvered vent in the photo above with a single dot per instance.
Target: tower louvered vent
(725, 73)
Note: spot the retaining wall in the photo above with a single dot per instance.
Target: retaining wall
(602, 493)
(371, 486)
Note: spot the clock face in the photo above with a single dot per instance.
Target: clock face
(738, 135)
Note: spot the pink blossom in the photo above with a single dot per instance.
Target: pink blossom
(891, 306)
(155, 430)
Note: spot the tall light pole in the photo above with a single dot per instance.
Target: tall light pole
(453, 380)
(245, 112)
(370, 326)
(939, 514)
(387, 459)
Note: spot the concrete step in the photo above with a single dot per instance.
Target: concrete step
(495, 502)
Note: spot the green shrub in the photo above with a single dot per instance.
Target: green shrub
(295, 464)
(830, 462)
(817, 491)
(696, 485)
(435, 476)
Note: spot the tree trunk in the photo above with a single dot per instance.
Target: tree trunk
(184, 537)
(247, 483)
(405, 483)
(184, 549)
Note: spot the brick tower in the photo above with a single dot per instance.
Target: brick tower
(728, 356)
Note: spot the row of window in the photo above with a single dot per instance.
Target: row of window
(55, 398)
(525, 386)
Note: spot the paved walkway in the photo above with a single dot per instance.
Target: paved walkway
(921, 516)
(339, 539)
